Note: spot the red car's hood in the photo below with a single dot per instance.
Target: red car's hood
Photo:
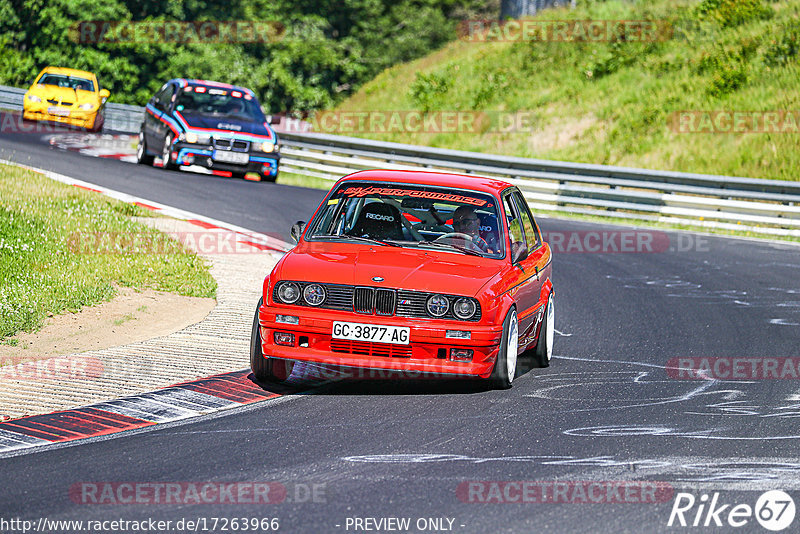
(401, 268)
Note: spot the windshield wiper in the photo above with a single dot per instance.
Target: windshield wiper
(386, 243)
(465, 250)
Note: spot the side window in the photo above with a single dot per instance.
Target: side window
(514, 225)
(531, 233)
(163, 97)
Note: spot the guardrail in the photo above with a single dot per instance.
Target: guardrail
(119, 117)
(765, 206)
(768, 206)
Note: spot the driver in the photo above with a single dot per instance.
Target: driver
(235, 107)
(466, 221)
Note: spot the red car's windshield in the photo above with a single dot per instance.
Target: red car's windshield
(412, 215)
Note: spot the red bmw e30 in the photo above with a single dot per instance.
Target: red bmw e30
(414, 271)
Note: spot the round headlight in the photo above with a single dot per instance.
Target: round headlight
(438, 305)
(314, 294)
(464, 308)
(191, 137)
(288, 292)
(267, 146)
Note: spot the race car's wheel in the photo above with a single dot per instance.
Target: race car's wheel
(258, 363)
(166, 154)
(266, 368)
(142, 158)
(544, 346)
(505, 369)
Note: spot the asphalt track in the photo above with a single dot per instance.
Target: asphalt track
(606, 410)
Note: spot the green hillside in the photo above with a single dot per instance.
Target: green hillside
(615, 102)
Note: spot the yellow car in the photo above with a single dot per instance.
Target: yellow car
(67, 96)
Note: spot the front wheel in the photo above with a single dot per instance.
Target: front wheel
(266, 368)
(544, 346)
(505, 368)
(142, 157)
(166, 154)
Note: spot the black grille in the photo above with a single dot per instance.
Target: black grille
(379, 300)
(338, 297)
(415, 304)
(368, 348)
(384, 301)
(235, 145)
(363, 300)
(223, 144)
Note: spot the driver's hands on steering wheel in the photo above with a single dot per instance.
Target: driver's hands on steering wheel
(471, 242)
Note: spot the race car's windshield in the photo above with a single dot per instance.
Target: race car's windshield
(219, 103)
(412, 216)
(69, 82)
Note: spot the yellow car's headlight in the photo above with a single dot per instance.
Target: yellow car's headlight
(34, 98)
(86, 107)
(267, 146)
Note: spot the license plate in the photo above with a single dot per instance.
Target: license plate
(231, 157)
(61, 112)
(398, 335)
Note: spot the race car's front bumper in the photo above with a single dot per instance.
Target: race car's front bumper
(78, 118)
(428, 351)
(192, 154)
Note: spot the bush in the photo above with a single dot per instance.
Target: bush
(730, 13)
(427, 90)
(785, 47)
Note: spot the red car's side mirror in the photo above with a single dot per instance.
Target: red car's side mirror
(297, 230)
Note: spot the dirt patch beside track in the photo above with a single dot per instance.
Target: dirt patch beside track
(131, 316)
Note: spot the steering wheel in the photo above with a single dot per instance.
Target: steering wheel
(466, 237)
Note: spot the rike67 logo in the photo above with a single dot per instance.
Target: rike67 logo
(774, 510)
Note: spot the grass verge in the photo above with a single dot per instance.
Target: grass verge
(43, 272)
(617, 102)
(300, 180)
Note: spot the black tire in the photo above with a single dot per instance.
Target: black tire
(258, 363)
(544, 345)
(266, 368)
(269, 179)
(166, 154)
(142, 157)
(502, 376)
(238, 174)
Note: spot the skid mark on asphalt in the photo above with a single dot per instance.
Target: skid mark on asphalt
(716, 409)
(695, 471)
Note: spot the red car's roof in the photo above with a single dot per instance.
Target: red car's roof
(441, 179)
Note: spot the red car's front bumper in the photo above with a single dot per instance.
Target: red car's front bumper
(428, 351)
